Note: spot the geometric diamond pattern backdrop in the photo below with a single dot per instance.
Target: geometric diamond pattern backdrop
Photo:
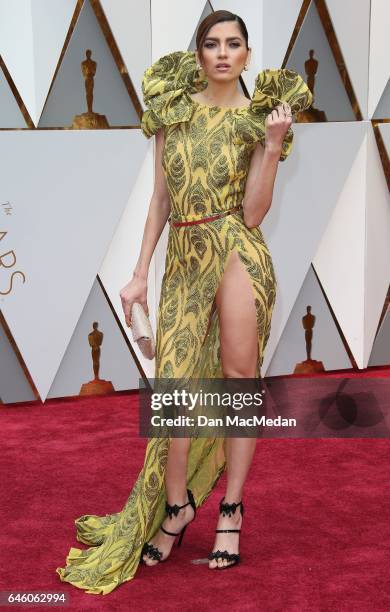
(73, 203)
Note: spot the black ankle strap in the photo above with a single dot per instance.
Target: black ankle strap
(227, 530)
(170, 510)
(229, 509)
(169, 532)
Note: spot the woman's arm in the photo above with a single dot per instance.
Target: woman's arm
(263, 168)
(159, 211)
(136, 289)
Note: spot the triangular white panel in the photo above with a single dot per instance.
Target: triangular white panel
(339, 261)
(10, 114)
(67, 190)
(120, 260)
(303, 201)
(130, 24)
(379, 52)
(329, 91)
(354, 42)
(116, 361)
(377, 242)
(16, 25)
(50, 21)
(327, 345)
(173, 24)
(32, 34)
(279, 20)
(357, 245)
(67, 97)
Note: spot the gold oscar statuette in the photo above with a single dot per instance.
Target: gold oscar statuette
(310, 365)
(311, 115)
(89, 120)
(97, 386)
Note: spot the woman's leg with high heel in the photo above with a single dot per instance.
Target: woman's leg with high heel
(239, 355)
(176, 489)
(239, 458)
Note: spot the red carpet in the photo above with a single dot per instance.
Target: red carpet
(316, 530)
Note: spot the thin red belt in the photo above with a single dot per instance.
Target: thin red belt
(223, 213)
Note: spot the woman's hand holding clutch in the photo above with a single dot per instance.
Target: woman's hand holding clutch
(136, 290)
(136, 311)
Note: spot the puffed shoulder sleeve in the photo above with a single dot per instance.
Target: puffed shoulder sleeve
(272, 87)
(166, 87)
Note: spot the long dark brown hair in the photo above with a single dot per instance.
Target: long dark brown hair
(211, 20)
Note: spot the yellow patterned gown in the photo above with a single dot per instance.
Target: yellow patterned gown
(206, 160)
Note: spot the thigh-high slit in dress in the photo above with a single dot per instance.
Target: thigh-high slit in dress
(206, 156)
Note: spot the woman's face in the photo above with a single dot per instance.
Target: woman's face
(223, 54)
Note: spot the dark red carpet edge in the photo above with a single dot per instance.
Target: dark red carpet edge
(315, 537)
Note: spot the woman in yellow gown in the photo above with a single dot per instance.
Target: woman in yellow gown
(206, 159)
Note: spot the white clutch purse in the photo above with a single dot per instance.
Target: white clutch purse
(142, 331)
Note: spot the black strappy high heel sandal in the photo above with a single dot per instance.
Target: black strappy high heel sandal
(232, 558)
(152, 551)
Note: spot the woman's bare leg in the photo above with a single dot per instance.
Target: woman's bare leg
(239, 354)
(239, 351)
(176, 488)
